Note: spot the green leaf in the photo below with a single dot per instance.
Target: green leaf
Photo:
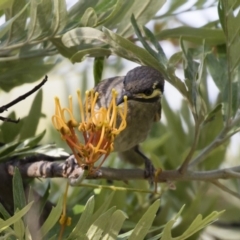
(23, 148)
(98, 69)
(60, 16)
(197, 224)
(8, 149)
(89, 18)
(5, 4)
(217, 67)
(195, 35)
(211, 115)
(4, 28)
(143, 12)
(221, 14)
(18, 190)
(219, 72)
(114, 225)
(84, 222)
(17, 72)
(31, 142)
(15, 217)
(161, 54)
(17, 28)
(97, 228)
(141, 38)
(115, 10)
(27, 234)
(230, 9)
(9, 131)
(79, 8)
(103, 208)
(232, 32)
(144, 224)
(84, 37)
(52, 218)
(44, 197)
(4, 212)
(126, 49)
(31, 121)
(173, 79)
(37, 25)
(19, 229)
(91, 52)
(54, 237)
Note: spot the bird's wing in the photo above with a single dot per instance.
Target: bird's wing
(104, 88)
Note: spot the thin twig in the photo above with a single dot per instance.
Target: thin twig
(4, 119)
(184, 166)
(225, 189)
(20, 98)
(207, 150)
(114, 188)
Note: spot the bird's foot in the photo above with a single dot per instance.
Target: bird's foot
(149, 171)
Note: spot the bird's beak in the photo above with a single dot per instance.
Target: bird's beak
(121, 98)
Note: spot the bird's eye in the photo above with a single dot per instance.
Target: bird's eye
(148, 92)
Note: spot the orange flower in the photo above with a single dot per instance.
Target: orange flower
(99, 127)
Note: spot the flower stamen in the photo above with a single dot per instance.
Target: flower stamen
(99, 127)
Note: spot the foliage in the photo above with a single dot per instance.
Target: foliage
(37, 35)
(105, 223)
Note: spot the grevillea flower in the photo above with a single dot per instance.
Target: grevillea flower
(98, 126)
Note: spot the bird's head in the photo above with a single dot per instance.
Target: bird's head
(144, 84)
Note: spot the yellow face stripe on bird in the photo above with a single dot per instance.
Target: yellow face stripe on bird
(97, 126)
(155, 93)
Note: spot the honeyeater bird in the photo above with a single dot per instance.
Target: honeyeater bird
(143, 87)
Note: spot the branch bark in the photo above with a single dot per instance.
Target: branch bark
(71, 170)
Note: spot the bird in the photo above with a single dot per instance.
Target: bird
(144, 88)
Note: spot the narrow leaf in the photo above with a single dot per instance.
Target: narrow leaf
(91, 52)
(18, 191)
(143, 12)
(4, 212)
(98, 69)
(15, 217)
(89, 18)
(31, 142)
(103, 208)
(196, 35)
(97, 228)
(8, 149)
(17, 28)
(126, 49)
(114, 225)
(161, 55)
(8, 131)
(144, 224)
(83, 37)
(31, 122)
(84, 222)
(52, 218)
(4, 28)
(19, 229)
(141, 38)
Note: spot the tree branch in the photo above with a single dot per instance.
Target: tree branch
(225, 189)
(184, 166)
(20, 98)
(71, 170)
